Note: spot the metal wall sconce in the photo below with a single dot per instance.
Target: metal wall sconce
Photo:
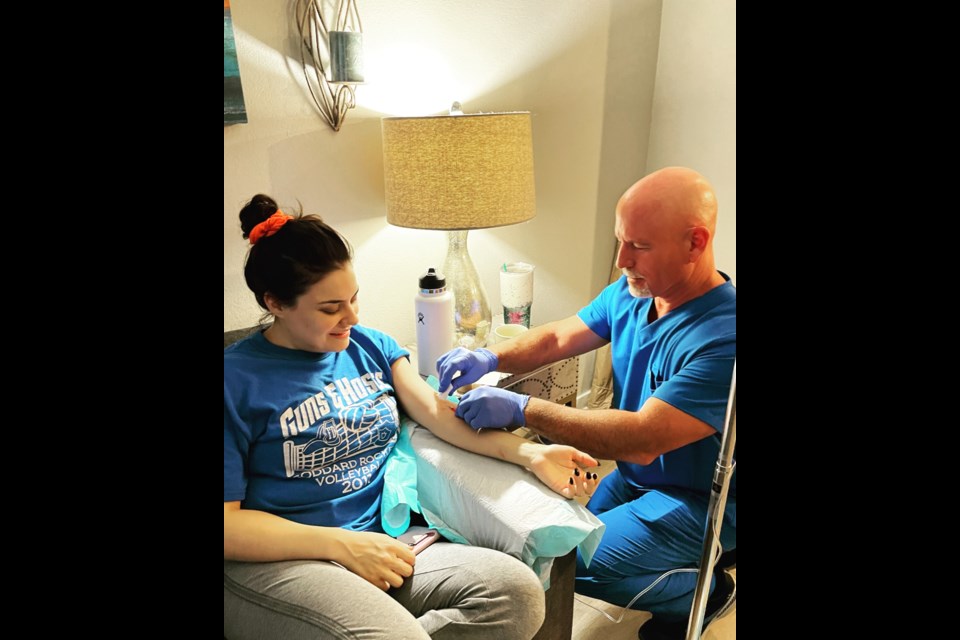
(343, 48)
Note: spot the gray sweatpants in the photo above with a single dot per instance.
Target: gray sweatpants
(456, 591)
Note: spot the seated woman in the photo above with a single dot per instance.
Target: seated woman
(309, 417)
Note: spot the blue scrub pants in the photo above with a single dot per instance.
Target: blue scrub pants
(649, 532)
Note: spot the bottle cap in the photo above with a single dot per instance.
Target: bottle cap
(432, 280)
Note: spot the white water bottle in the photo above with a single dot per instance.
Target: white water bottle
(433, 310)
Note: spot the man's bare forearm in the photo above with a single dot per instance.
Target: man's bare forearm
(631, 436)
(546, 344)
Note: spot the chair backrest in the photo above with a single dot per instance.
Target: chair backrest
(229, 337)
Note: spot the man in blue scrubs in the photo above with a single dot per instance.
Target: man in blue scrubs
(672, 322)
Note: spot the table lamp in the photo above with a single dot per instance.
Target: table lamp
(459, 172)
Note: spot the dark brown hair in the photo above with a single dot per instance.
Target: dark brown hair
(293, 259)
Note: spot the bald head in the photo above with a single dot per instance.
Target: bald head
(665, 225)
(672, 197)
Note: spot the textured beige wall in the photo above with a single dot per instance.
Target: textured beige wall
(615, 90)
(695, 106)
(546, 56)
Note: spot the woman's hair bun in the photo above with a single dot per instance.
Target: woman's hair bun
(256, 211)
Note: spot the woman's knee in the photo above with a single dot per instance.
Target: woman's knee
(523, 594)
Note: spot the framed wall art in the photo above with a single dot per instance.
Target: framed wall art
(234, 109)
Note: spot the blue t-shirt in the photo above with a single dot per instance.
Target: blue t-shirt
(305, 435)
(684, 359)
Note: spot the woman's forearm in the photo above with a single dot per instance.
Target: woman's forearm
(556, 466)
(258, 536)
(423, 404)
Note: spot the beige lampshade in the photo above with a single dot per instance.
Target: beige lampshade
(459, 171)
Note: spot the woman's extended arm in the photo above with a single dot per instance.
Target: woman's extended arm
(557, 466)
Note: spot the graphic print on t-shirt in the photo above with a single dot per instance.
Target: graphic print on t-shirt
(334, 454)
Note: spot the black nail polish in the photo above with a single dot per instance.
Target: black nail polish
(576, 472)
(571, 480)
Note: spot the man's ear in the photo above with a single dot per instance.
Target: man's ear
(699, 239)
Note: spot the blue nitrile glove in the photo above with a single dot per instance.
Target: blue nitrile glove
(492, 408)
(472, 366)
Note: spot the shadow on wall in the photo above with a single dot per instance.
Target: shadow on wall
(634, 45)
(565, 141)
(588, 152)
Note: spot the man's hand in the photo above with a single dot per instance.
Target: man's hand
(472, 365)
(492, 408)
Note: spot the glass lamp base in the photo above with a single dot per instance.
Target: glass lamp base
(472, 315)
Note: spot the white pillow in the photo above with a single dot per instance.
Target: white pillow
(485, 502)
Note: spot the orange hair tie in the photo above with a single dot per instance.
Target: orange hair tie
(269, 226)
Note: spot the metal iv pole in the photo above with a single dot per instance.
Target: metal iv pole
(718, 500)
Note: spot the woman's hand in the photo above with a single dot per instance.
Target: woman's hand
(377, 558)
(562, 469)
